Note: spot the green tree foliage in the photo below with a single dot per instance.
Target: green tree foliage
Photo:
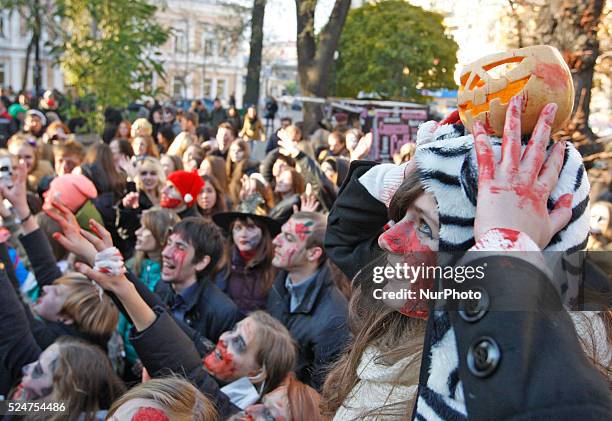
(393, 48)
(108, 49)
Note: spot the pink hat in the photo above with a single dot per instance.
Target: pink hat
(73, 190)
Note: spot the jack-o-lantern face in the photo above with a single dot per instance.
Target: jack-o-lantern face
(538, 73)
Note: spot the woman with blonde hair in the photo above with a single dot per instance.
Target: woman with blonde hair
(167, 398)
(143, 146)
(180, 144)
(149, 182)
(24, 148)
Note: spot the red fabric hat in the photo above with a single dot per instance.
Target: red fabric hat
(188, 183)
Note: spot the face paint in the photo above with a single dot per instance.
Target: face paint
(247, 236)
(150, 414)
(303, 229)
(220, 362)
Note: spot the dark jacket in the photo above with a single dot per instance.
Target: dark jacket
(217, 116)
(210, 312)
(128, 221)
(283, 210)
(164, 348)
(18, 347)
(515, 365)
(318, 325)
(190, 211)
(244, 285)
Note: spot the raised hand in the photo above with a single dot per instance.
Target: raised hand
(288, 147)
(363, 147)
(70, 238)
(513, 193)
(17, 193)
(130, 200)
(102, 239)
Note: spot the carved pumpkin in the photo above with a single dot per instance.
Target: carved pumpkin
(539, 73)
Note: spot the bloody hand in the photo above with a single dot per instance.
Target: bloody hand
(512, 193)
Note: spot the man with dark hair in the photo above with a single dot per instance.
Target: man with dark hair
(189, 122)
(217, 116)
(189, 259)
(305, 298)
(225, 137)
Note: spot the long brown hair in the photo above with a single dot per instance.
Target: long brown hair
(101, 154)
(276, 352)
(83, 378)
(303, 400)
(220, 203)
(181, 400)
(263, 255)
(160, 222)
(374, 323)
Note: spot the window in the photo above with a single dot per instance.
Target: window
(178, 87)
(207, 91)
(3, 25)
(221, 85)
(2, 74)
(224, 49)
(209, 47)
(180, 41)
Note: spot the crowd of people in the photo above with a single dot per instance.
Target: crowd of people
(188, 266)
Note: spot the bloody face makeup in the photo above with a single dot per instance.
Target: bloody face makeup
(177, 260)
(140, 409)
(290, 245)
(171, 197)
(246, 235)
(234, 355)
(412, 242)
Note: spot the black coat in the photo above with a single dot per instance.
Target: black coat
(318, 325)
(163, 349)
(530, 365)
(128, 221)
(209, 312)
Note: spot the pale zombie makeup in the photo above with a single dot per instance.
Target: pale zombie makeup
(411, 241)
(290, 245)
(145, 241)
(284, 183)
(51, 301)
(234, 355)
(140, 410)
(235, 154)
(207, 197)
(170, 198)
(177, 258)
(148, 177)
(246, 235)
(37, 380)
(274, 407)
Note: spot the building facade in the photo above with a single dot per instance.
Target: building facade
(14, 40)
(205, 56)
